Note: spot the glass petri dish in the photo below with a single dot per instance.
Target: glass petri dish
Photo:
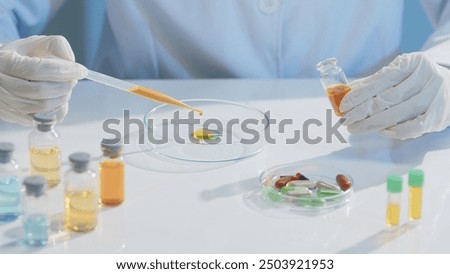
(313, 202)
(231, 131)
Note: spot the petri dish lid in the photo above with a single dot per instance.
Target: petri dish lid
(238, 130)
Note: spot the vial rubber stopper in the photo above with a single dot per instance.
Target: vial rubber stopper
(6, 150)
(80, 161)
(35, 185)
(45, 117)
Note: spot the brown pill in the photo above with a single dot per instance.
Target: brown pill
(343, 182)
(300, 176)
(283, 181)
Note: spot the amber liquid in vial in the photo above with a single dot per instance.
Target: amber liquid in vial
(46, 162)
(81, 210)
(415, 203)
(111, 182)
(335, 94)
(393, 214)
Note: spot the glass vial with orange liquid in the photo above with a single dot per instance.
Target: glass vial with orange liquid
(80, 195)
(44, 149)
(112, 173)
(415, 182)
(394, 190)
(334, 82)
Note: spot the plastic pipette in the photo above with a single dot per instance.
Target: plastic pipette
(138, 90)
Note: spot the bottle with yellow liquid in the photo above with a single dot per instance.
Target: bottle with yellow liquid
(81, 195)
(334, 82)
(394, 189)
(112, 173)
(44, 149)
(415, 182)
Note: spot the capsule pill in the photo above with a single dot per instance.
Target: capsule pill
(327, 192)
(343, 182)
(283, 181)
(302, 183)
(296, 191)
(272, 194)
(270, 180)
(300, 176)
(324, 185)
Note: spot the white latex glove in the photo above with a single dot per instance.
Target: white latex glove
(405, 99)
(37, 74)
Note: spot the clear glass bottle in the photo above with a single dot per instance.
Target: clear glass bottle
(394, 190)
(44, 149)
(112, 173)
(9, 184)
(81, 195)
(334, 82)
(35, 215)
(415, 182)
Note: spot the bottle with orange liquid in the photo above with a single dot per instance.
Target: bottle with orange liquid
(112, 173)
(334, 82)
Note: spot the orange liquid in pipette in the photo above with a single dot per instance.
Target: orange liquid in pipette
(161, 97)
(335, 94)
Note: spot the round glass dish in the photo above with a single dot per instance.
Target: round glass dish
(331, 197)
(237, 131)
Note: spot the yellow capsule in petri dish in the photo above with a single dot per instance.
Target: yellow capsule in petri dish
(203, 134)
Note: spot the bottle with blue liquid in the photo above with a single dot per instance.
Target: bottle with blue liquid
(35, 217)
(9, 184)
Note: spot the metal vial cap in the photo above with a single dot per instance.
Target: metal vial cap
(35, 185)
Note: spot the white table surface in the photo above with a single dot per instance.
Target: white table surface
(177, 208)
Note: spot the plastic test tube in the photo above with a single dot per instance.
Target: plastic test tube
(394, 189)
(415, 182)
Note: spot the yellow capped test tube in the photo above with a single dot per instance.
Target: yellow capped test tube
(394, 189)
(415, 182)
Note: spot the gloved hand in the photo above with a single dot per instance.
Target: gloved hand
(405, 99)
(37, 74)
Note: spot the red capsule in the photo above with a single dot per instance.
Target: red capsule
(283, 181)
(343, 182)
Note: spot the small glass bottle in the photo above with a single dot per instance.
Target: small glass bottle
(334, 82)
(112, 173)
(45, 155)
(81, 196)
(415, 182)
(394, 189)
(9, 184)
(35, 215)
